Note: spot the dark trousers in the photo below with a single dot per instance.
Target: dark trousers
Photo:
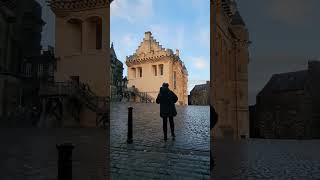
(165, 119)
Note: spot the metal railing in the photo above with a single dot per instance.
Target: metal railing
(79, 90)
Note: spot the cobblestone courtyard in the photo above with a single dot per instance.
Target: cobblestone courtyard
(31, 153)
(267, 159)
(149, 157)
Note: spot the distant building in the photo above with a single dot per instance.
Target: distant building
(151, 65)
(200, 94)
(229, 70)
(288, 106)
(116, 75)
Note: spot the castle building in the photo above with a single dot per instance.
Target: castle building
(82, 49)
(288, 106)
(116, 75)
(199, 95)
(151, 65)
(229, 70)
(20, 37)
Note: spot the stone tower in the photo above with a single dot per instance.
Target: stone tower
(82, 46)
(229, 70)
(151, 65)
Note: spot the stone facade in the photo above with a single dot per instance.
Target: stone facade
(199, 95)
(229, 70)
(37, 71)
(82, 47)
(20, 36)
(151, 65)
(116, 75)
(288, 106)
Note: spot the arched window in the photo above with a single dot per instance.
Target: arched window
(74, 35)
(94, 32)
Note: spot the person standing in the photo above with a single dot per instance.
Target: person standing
(167, 99)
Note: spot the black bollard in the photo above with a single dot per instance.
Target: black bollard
(65, 161)
(129, 139)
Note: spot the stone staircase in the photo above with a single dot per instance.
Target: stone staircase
(143, 96)
(82, 93)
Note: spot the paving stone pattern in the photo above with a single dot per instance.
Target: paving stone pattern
(149, 157)
(267, 159)
(31, 154)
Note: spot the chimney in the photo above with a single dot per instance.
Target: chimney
(147, 35)
(177, 52)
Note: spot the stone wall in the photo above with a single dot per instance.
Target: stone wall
(229, 73)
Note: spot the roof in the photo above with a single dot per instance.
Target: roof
(150, 50)
(286, 82)
(113, 52)
(76, 4)
(199, 87)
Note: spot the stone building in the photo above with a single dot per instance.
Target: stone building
(288, 106)
(199, 95)
(151, 65)
(229, 70)
(20, 36)
(82, 49)
(116, 75)
(37, 71)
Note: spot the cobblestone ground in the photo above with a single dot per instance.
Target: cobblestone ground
(266, 159)
(31, 154)
(149, 157)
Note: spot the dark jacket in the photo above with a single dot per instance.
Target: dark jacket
(167, 99)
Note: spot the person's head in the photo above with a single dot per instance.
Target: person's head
(165, 85)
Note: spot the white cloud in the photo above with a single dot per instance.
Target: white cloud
(132, 11)
(170, 36)
(198, 62)
(167, 35)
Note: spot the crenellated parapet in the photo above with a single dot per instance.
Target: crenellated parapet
(150, 50)
(76, 5)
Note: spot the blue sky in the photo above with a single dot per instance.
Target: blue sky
(178, 24)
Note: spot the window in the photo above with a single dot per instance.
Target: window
(40, 70)
(94, 33)
(133, 72)
(99, 35)
(174, 80)
(161, 69)
(28, 70)
(140, 71)
(50, 70)
(74, 33)
(154, 68)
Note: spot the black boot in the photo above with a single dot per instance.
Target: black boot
(172, 127)
(165, 128)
